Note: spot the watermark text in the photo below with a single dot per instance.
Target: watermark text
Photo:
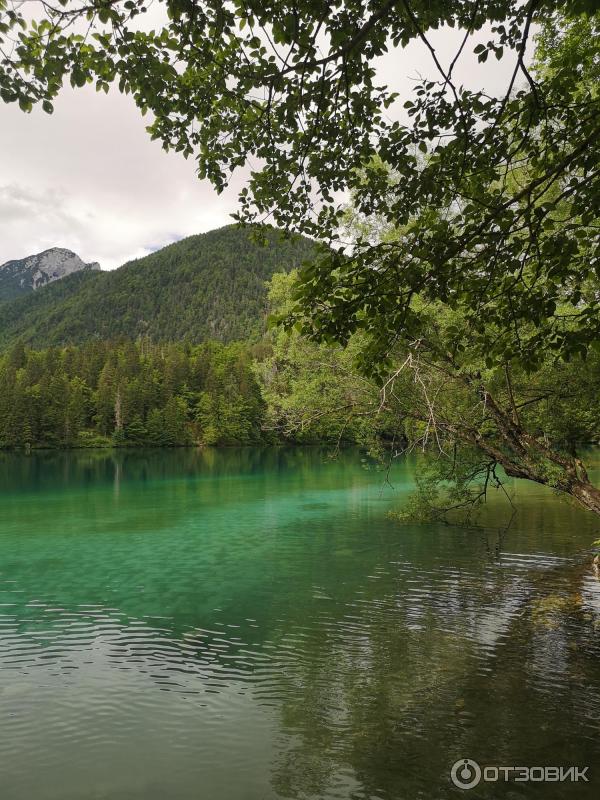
(466, 774)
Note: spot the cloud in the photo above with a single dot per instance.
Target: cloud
(89, 178)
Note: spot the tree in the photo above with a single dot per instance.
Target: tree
(77, 408)
(134, 400)
(155, 428)
(105, 398)
(229, 408)
(53, 390)
(474, 421)
(175, 422)
(314, 392)
(135, 431)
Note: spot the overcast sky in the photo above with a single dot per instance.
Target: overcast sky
(88, 177)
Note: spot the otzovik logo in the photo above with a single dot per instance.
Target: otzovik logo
(466, 774)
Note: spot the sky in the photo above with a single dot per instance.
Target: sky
(89, 178)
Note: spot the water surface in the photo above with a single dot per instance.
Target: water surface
(250, 624)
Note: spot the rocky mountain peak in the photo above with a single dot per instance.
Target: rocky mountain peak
(27, 274)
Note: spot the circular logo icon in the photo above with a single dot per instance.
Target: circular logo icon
(466, 773)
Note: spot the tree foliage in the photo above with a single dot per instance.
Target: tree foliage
(314, 392)
(473, 423)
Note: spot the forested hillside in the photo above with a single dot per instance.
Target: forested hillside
(210, 286)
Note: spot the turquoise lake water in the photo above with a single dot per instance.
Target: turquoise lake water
(251, 624)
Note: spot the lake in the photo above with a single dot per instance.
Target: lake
(251, 624)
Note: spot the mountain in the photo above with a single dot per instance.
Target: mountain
(209, 286)
(23, 276)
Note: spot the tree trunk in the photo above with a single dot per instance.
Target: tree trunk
(523, 456)
(118, 411)
(501, 436)
(529, 452)
(587, 495)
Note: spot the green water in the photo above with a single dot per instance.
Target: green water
(250, 624)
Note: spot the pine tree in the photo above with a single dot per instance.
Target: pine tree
(135, 431)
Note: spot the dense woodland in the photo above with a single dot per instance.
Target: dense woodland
(143, 393)
(275, 388)
(104, 393)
